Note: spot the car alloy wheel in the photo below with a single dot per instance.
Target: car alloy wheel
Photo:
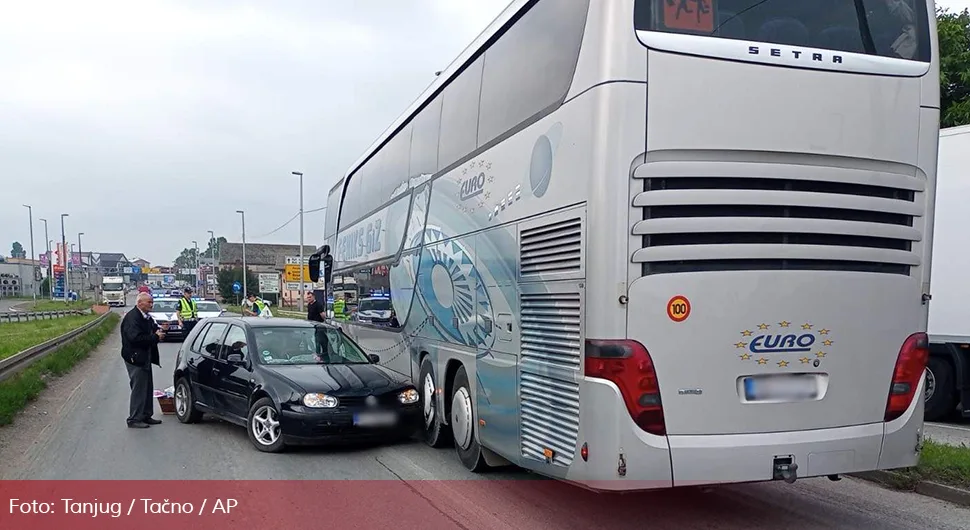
(266, 426)
(181, 401)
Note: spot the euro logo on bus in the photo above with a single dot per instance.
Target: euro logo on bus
(810, 342)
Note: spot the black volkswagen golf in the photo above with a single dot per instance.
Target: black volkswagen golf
(291, 382)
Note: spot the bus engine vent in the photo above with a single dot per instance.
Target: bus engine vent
(550, 418)
(550, 328)
(707, 215)
(552, 248)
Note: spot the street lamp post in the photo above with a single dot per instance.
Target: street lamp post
(302, 279)
(212, 259)
(243, 214)
(80, 261)
(64, 251)
(50, 263)
(33, 256)
(196, 243)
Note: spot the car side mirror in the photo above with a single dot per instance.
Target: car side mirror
(374, 358)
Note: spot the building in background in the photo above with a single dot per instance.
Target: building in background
(270, 259)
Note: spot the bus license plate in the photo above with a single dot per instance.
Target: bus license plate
(374, 419)
(781, 388)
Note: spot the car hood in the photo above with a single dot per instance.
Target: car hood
(374, 313)
(342, 379)
(157, 315)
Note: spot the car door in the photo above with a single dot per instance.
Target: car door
(234, 375)
(192, 355)
(206, 366)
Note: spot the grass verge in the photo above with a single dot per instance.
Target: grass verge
(16, 337)
(941, 463)
(58, 305)
(19, 390)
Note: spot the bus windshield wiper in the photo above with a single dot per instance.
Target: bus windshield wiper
(864, 30)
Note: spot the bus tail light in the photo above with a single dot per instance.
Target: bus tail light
(628, 365)
(910, 367)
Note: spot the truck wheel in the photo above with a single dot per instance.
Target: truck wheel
(940, 391)
(463, 426)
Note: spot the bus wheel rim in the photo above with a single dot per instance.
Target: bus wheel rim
(461, 418)
(930, 384)
(429, 401)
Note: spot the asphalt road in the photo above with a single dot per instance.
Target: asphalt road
(6, 305)
(77, 431)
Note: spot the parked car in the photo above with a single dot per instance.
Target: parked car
(290, 381)
(165, 311)
(208, 308)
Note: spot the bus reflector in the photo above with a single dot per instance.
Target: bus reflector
(584, 452)
(910, 367)
(628, 365)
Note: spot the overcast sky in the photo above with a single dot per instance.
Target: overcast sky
(151, 122)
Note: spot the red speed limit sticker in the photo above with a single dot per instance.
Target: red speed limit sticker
(678, 308)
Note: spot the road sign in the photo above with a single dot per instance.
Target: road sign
(236, 287)
(292, 273)
(269, 283)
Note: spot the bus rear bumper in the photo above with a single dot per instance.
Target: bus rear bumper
(654, 462)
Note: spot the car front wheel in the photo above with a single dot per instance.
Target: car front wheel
(185, 409)
(265, 431)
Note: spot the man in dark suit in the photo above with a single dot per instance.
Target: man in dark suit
(140, 336)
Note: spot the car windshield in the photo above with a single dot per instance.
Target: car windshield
(114, 287)
(374, 304)
(165, 306)
(208, 307)
(306, 345)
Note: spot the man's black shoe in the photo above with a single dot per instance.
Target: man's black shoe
(138, 425)
(153, 421)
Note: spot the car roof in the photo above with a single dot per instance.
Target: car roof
(259, 322)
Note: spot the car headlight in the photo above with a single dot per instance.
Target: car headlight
(319, 401)
(408, 396)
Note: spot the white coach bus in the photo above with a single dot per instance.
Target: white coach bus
(639, 244)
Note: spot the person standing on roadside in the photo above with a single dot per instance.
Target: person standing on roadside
(140, 336)
(188, 313)
(315, 312)
(253, 306)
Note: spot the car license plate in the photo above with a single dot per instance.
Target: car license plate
(781, 388)
(374, 419)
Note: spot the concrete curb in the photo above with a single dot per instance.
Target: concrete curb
(927, 488)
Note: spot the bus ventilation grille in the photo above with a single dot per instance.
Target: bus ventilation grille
(550, 328)
(552, 248)
(707, 215)
(550, 418)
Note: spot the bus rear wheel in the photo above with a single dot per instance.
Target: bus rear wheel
(463, 425)
(435, 432)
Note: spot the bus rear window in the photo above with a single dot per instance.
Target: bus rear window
(887, 28)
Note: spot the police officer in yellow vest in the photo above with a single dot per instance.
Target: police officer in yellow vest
(255, 306)
(188, 313)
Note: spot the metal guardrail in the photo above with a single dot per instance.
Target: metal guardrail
(17, 362)
(18, 316)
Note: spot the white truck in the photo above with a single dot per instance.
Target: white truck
(113, 292)
(948, 371)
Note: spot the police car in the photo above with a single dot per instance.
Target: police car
(374, 309)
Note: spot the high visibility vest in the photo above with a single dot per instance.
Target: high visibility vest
(188, 309)
(259, 305)
(338, 307)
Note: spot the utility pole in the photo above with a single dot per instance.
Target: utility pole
(50, 263)
(243, 252)
(80, 260)
(302, 279)
(67, 262)
(33, 256)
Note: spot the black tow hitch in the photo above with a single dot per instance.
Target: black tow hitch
(785, 468)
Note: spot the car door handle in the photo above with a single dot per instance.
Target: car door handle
(215, 370)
